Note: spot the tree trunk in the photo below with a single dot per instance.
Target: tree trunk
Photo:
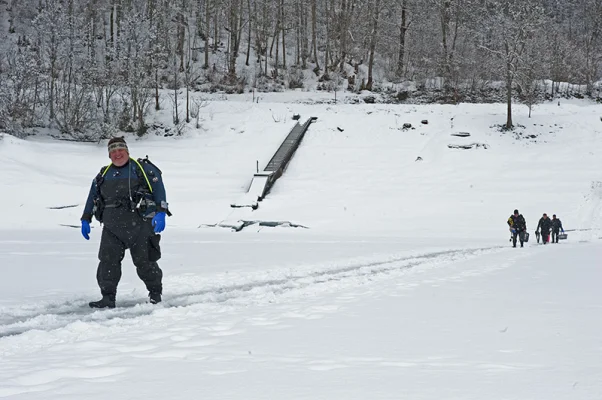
(449, 37)
(373, 39)
(53, 59)
(107, 105)
(117, 26)
(11, 15)
(156, 89)
(134, 97)
(240, 25)
(297, 33)
(276, 40)
(207, 30)
(343, 32)
(444, 19)
(283, 34)
(303, 34)
(249, 34)
(112, 24)
(92, 32)
(259, 32)
(235, 32)
(187, 101)
(176, 119)
(328, 34)
(402, 39)
(215, 29)
(265, 36)
(265, 60)
(140, 117)
(181, 23)
(35, 100)
(233, 16)
(313, 33)
(276, 33)
(71, 78)
(509, 124)
(199, 18)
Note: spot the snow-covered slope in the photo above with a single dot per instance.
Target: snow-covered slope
(403, 285)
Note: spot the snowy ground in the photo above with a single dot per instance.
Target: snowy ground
(403, 285)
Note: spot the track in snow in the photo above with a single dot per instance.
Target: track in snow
(18, 320)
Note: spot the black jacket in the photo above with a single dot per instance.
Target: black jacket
(517, 222)
(556, 225)
(119, 188)
(545, 224)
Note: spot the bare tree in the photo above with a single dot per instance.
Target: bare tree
(16, 102)
(530, 74)
(195, 112)
(512, 26)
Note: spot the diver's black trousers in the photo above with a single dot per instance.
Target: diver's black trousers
(520, 235)
(139, 237)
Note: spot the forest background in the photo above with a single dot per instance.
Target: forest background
(87, 69)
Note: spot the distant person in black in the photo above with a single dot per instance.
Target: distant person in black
(556, 228)
(544, 226)
(518, 227)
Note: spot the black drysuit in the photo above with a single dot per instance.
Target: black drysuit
(556, 228)
(545, 225)
(518, 225)
(125, 227)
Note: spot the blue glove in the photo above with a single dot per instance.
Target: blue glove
(513, 230)
(86, 229)
(159, 222)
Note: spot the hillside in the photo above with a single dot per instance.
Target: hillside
(402, 284)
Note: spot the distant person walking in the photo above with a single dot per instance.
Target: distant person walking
(544, 226)
(556, 228)
(518, 228)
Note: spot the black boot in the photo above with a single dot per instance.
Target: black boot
(154, 297)
(107, 301)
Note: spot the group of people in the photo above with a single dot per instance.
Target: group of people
(545, 227)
